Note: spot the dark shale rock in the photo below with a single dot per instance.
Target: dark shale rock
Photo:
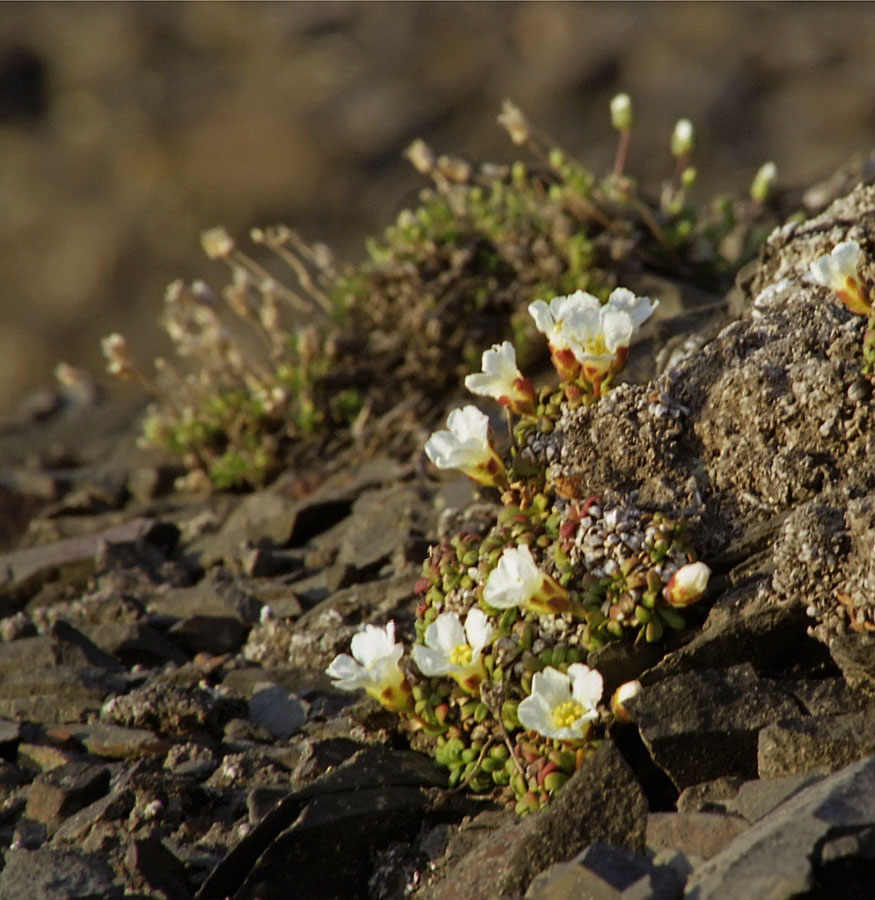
(50, 874)
(56, 794)
(800, 744)
(373, 798)
(24, 572)
(601, 802)
(701, 834)
(854, 654)
(608, 873)
(779, 855)
(701, 725)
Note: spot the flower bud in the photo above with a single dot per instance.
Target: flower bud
(621, 112)
(687, 585)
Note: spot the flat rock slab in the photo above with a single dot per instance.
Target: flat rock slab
(49, 874)
(774, 857)
(701, 725)
(607, 873)
(801, 744)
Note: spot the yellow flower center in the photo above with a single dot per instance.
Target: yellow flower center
(460, 655)
(567, 713)
(595, 345)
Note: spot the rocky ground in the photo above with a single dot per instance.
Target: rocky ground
(166, 728)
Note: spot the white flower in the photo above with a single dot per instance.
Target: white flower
(584, 332)
(640, 309)
(517, 581)
(687, 585)
(466, 446)
(556, 319)
(514, 580)
(839, 270)
(374, 667)
(502, 380)
(451, 650)
(562, 706)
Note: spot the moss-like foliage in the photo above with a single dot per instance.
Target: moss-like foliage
(299, 356)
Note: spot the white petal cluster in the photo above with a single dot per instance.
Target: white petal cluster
(833, 270)
(465, 444)
(514, 581)
(451, 649)
(373, 664)
(502, 380)
(592, 331)
(561, 706)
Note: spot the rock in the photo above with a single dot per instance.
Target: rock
(701, 834)
(52, 874)
(71, 559)
(10, 735)
(334, 818)
(209, 634)
(134, 643)
(56, 794)
(800, 744)
(150, 859)
(379, 523)
(110, 808)
(170, 709)
(702, 725)
(773, 858)
(607, 872)
(755, 799)
(854, 654)
(281, 713)
(116, 742)
(602, 802)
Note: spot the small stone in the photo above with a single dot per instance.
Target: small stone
(276, 709)
(56, 794)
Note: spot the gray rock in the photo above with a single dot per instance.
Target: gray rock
(60, 792)
(51, 874)
(756, 799)
(340, 818)
(23, 572)
(773, 858)
(607, 872)
(109, 808)
(702, 725)
(854, 654)
(115, 741)
(380, 522)
(170, 709)
(701, 834)
(602, 802)
(802, 744)
(275, 709)
(134, 642)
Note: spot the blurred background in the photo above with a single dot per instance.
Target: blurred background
(126, 129)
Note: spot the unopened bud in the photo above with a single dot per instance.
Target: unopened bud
(217, 243)
(683, 138)
(764, 182)
(621, 112)
(420, 156)
(687, 585)
(514, 122)
(621, 696)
